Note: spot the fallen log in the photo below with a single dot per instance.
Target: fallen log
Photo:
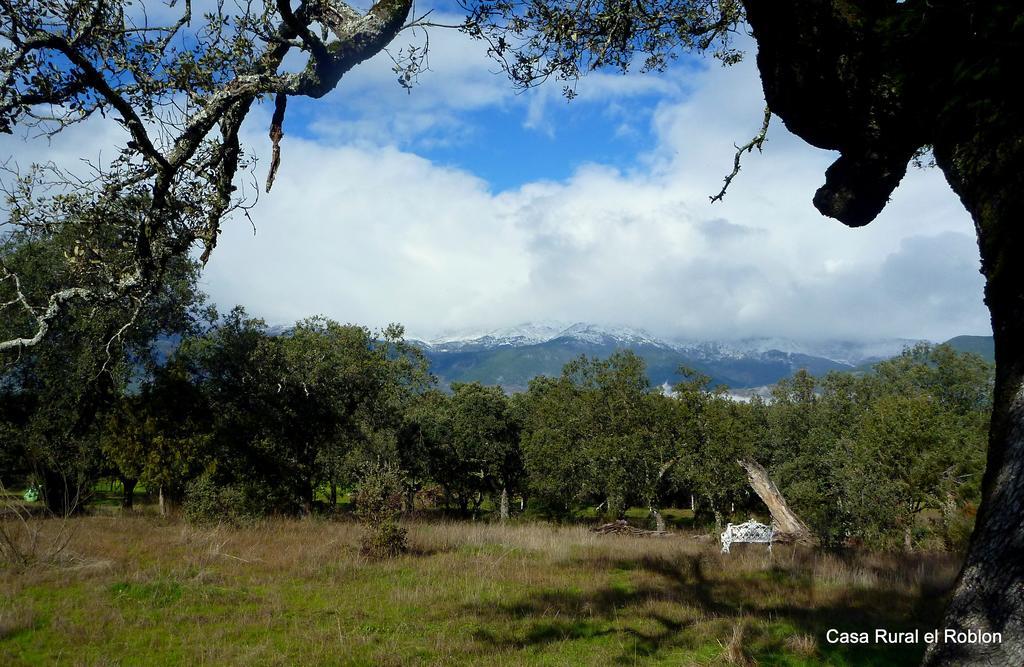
(622, 527)
(789, 527)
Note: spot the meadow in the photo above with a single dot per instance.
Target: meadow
(134, 588)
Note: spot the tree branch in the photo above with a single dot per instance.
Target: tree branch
(756, 142)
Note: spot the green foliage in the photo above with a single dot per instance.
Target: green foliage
(378, 496)
(544, 39)
(55, 399)
(386, 540)
(467, 442)
(378, 500)
(291, 412)
(240, 423)
(207, 502)
(862, 457)
(600, 433)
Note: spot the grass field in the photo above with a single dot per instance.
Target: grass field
(135, 590)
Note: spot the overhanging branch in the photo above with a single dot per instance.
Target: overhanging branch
(757, 142)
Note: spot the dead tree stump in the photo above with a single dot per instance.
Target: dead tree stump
(789, 526)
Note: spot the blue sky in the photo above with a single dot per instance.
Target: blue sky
(499, 145)
(467, 206)
(507, 137)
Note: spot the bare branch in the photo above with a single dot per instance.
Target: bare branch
(757, 142)
(172, 183)
(44, 319)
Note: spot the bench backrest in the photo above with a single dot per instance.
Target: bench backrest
(750, 532)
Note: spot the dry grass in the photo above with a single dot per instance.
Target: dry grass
(146, 590)
(803, 645)
(735, 652)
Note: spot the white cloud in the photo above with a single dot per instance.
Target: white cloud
(460, 78)
(366, 232)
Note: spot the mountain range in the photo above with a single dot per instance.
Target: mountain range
(512, 356)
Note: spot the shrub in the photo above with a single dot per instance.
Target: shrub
(957, 526)
(378, 499)
(385, 541)
(202, 501)
(430, 497)
(548, 508)
(208, 502)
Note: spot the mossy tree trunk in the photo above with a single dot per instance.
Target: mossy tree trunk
(503, 505)
(878, 82)
(983, 159)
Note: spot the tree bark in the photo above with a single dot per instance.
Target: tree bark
(790, 527)
(615, 507)
(61, 500)
(982, 160)
(128, 492)
(308, 497)
(503, 511)
(659, 520)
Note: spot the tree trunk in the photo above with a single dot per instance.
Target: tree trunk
(308, 496)
(659, 520)
(163, 507)
(615, 507)
(128, 492)
(334, 495)
(718, 518)
(58, 496)
(983, 164)
(877, 81)
(503, 512)
(790, 527)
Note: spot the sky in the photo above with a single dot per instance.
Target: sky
(465, 205)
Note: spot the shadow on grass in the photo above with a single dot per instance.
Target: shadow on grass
(688, 602)
(545, 632)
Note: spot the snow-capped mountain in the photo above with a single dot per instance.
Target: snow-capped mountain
(599, 335)
(536, 333)
(528, 333)
(849, 353)
(512, 356)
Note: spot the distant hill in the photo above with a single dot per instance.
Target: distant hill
(512, 356)
(983, 346)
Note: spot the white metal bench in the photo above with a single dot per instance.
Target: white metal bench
(750, 532)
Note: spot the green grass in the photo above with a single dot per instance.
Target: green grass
(140, 590)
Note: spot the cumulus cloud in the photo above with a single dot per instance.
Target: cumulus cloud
(363, 229)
